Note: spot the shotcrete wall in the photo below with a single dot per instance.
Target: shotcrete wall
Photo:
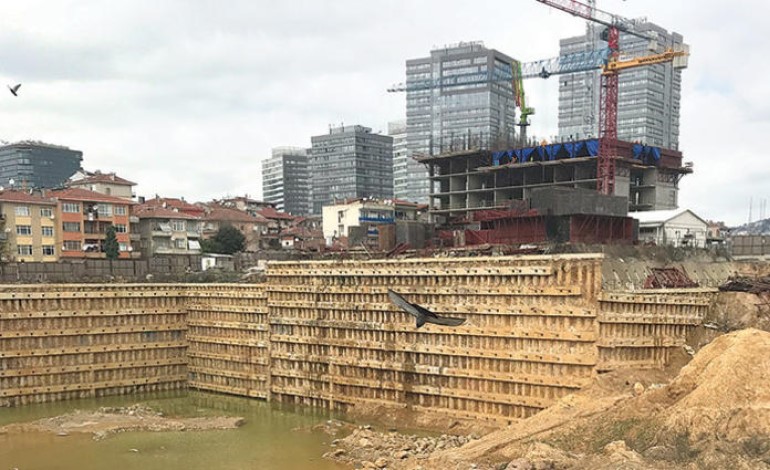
(325, 334)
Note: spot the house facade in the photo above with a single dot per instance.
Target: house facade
(252, 227)
(28, 229)
(84, 218)
(167, 231)
(679, 228)
(105, 183)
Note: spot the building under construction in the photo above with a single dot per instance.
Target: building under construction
(468, 186)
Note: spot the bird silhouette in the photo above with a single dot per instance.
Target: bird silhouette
(422, 314)
(15, 89)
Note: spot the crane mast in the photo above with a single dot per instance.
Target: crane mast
(608, 105)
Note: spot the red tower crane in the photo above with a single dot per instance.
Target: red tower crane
(608, 107)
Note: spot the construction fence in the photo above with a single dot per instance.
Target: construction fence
(325, 334)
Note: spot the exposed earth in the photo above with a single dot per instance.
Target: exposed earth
(105, 421)
(713, 414)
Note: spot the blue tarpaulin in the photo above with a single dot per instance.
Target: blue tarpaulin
(584, 148)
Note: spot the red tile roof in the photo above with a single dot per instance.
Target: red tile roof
(104, 178)
(148, 212)
(174, 203)
(79, 194)
(226, 214)
(12, 195)
(270, 213)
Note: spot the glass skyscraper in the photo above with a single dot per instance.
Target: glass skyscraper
(37, 165)
(452, 118)
(648, 98)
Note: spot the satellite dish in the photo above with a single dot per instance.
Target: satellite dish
(11, 182)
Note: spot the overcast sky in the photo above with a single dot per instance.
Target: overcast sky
(187, 97)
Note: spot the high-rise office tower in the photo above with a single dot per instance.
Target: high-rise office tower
(450, 118)
(350, 162)
(286, 180)
(648, 98)
(397, 130)
(37, 165)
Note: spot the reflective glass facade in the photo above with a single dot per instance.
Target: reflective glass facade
(37, 165)
(648, 99)
(350, 162)
(446, 119)
(286, 180)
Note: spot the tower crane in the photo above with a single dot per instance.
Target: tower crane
(608, 107)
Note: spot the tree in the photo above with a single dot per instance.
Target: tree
(227, 240)
(111, 247)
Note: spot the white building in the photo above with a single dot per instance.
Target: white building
(339, 218)
(679, 227)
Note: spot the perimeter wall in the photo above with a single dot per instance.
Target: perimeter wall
(324, 333)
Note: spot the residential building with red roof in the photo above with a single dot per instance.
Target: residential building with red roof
(196, 210)
(167, 231)
(246, 204)
(277, 222)
(84, 217)
(28, 229)
(251, 226)
(109, 184)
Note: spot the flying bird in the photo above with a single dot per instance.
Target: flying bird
(15, 89)
(422, 314)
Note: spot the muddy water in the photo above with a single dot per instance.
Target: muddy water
(270, 439)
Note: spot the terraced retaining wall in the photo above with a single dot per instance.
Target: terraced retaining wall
(325, 334)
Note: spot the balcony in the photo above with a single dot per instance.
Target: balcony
(162, 230)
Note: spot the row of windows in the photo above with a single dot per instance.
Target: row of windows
(75, 245)
(26, 250)
(25, 212)
(72, 208)
(27, 230)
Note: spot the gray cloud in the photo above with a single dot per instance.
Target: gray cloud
(187, 98)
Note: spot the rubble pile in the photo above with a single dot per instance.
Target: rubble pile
(370, 449)
(758, 285)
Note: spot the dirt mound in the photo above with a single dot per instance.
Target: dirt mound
(714, 414)
(724, 392)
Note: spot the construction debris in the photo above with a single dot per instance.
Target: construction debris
(759, 285)
(668, 278)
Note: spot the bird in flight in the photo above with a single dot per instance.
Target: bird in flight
(15, 89)
(422, 314)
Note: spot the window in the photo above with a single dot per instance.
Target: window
(120, 210)
(47, 231)
(48, 250)
(120, 228)
(46, 212)
(24, 250)
(104, 210)
(23, 230)
(180, 243)
(178, 225)
(22, 210)
(70, 207)
(71, 245)
(122, 247)
(71, 226)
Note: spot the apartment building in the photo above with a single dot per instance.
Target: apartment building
(105, 183)
(28, 230)
(85, 216)
(167, 231)
(252, 227)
